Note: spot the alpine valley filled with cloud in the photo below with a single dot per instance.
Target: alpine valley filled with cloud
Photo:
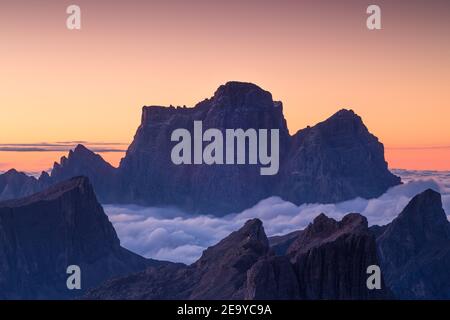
(174, 235)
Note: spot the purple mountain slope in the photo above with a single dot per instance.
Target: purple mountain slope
(415, 250)
(43, 234)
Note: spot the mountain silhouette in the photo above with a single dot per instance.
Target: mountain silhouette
(41, 235)
(415, 250)
(333, 161)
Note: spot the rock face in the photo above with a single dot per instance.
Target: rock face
(331, 258)
(272, 278)
(242, 266)
(415, 250)
(336, 160)
(41, 235)
(150, 177)
(280, 244)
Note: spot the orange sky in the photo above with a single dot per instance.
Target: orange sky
(315, 56)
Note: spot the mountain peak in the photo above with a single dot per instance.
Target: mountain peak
(424, 218)
(324, 229)
(239, 86)
(345, 113)
(236, 94)
(81, 151)
(426, 199)
(414, 249)
(346, 116)
(81, 148)
(251, 238)
(12, 172)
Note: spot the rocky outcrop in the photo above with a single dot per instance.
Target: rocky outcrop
(331, 258)
(41, 235)
(149, 176)
(415, 250)
(329, 264)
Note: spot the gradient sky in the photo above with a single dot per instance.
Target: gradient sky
(315, 56)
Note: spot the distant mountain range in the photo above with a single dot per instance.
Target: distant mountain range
(336, 160)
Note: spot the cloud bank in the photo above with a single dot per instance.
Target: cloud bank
(170, 234)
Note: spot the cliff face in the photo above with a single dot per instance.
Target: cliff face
(331, 258)
(14, 184)
(40, 236)
(336, 160)
(415, 250)
(149, 176)
(242, 266)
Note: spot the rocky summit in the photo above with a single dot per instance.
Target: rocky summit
(331, 259)
(43, 234)
(335, 160)
(414, 250)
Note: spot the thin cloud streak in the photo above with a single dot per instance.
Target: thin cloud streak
(419, 148)
(63, 146)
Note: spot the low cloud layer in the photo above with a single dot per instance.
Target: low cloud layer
(170, 234)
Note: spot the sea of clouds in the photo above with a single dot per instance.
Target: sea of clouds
(173, 235)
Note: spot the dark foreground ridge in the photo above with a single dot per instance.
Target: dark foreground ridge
(336, 160)
(64, 225)
(40, 236)
(327, 260)
(243, 266)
